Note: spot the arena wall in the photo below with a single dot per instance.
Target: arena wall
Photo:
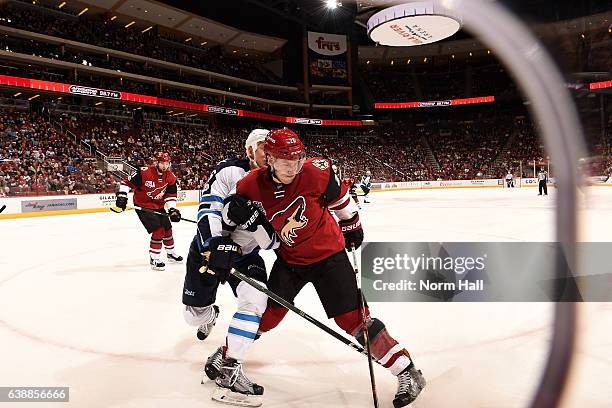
(25, 207)
(41, 206)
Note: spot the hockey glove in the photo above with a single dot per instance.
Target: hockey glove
(223, 251)
(122, 200)
(174, 215)
(353, 234)
(242, 211)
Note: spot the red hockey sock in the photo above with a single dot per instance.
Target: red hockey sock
(271, 318)
(168, 241)
(385, 349)
(156, 243)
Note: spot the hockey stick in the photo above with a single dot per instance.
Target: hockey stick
(150, 211)
(2, 208)
(366, 334)
(294, 309)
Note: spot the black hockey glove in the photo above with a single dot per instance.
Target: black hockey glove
(122, 200)
(223, 251)
(174, 215)
(353, 234)
(242, 211)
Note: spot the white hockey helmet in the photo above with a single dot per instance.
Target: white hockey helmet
(368, 173)
(256, 136)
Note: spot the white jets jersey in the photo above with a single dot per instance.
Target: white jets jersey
(365, 181)
(542, 176)
(220, 185)
(509, 176)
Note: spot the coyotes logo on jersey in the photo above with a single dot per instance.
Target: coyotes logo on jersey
(293, 220)
(321, 164)
(158, 193)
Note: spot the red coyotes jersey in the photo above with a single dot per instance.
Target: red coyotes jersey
(350, 184)
(152, 190)
(298, 211)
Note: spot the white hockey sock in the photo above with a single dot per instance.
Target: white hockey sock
(195, 316)
(395, 360)
(241, 334)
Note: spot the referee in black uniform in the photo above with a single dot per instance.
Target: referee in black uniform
(542, 180)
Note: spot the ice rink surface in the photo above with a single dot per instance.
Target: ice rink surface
(80, 307)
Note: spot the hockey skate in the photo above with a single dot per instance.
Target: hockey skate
(411, 383)
(205, 328)
(213, 364)
(234, 388)
(174, 258)
(157, 265)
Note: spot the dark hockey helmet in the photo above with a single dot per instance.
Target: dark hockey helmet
(284, 144)
(163, 157)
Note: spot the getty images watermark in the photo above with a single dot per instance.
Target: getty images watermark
(412, 264)
(484, 271)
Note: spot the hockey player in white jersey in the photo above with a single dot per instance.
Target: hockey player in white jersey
(216, 249)
(509, 179)
(365, 185)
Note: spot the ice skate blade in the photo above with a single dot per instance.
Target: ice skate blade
(226, 396)
(170, 260)
(158, 268)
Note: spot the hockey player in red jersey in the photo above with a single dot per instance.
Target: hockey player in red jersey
(352, 189)
(154, 188)
(296, 195)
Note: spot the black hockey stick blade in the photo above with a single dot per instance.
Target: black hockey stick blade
(2, 208)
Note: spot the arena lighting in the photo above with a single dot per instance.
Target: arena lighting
(62, 4)
(113, 17)
(332, 4)
(188, 39)
(83, 11)
(413, 23)
(99, 103)
(17, 94)
(33, 97)
(146, 29)
(128, 25)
